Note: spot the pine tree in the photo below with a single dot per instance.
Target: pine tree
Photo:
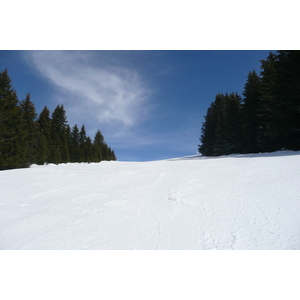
(250, 119)
(29, 118)
(113, 155)
(265, 140)
(13, 148)
(208, 132)
(44, 128)
(285, 110)
(98, 146)
(59, 139)
(82, 144)
(69, 140)
(232, 124)
(75, 148)
(105, 152)
(221, 131)
(41, 153)
(279, 112)
(89, 150)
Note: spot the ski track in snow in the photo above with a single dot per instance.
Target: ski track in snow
(233, 202)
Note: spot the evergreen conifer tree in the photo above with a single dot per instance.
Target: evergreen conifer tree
(41, 153)
(30, 127)
(89, 150)
(279, 111)
(82, 144)
(59, 138)
(13, 148)
(208, 132)
(285, 95)
(113, 155)
(250, 108)
(265, 134)
(98, 145)
(75, 147)
(221, 131)
(232, 124)
(44, 128)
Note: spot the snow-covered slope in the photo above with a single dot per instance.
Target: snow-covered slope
(229, 202)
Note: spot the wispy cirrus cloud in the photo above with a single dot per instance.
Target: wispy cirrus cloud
(92, 89)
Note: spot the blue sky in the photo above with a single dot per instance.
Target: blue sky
(149, 105)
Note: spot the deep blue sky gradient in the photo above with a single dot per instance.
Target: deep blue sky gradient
(178, 87)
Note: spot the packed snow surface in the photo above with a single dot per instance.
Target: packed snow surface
(228, 202)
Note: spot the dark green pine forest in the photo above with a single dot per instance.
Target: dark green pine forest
(265, 118)
(27, 138)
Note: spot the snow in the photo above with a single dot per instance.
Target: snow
(239, 202)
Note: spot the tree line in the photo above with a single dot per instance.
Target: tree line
(27, 138)
(265, 118)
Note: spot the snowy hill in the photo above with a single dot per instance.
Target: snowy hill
(229, 202)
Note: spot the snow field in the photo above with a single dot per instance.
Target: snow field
(240, 202)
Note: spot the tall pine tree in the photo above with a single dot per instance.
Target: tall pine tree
(13, 148)
(250, 109)
(44, 136)
(75, 148)
(59, 138)
(285, 94)
(266, 138)
(82, 144)
(98, 146)
(221, 131)
(30, 127)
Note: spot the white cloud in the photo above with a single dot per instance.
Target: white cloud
(92, 90)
